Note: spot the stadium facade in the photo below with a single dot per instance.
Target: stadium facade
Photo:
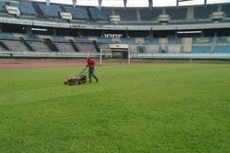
(43, 29)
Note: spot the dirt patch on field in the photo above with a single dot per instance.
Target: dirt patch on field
(39, 63)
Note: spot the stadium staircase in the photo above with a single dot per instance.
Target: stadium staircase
(50, 44)
(74, 46)
(89, 14)
(4, 46)
(30, 48)
(38, 10)
(96, 46)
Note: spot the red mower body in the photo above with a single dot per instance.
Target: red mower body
(82, 79)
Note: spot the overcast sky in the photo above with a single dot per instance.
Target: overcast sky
(135, 3)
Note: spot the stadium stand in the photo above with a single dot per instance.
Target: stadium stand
(150, 15)
(86, 47)
(100, 14)
(177, 13)
(104, 40)
(127, 15)
(225, 9)
(200, 49)
(25, 7)
(79, 13)
(50, 11)
(15, 45)
(151, 41)
(39, 46)
(56, 39)
(222, 49)
(7, 36)
(204, 12)
(64, 47)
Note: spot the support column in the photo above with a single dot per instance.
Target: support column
(48, 2)
(150, 4)
(100, 2)
(125, 3)
(74, 3)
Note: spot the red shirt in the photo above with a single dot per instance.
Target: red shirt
(91, 63)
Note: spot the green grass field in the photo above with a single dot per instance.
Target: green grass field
(144, 108)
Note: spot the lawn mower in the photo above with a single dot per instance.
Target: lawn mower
(80, 79)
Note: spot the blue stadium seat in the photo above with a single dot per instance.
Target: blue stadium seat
(128, 40)
(150, 15)
(126, 15)
(173, 40)
(100, 14)
(222, 49)
(200, 49)
(177, 13)
(77, 13)
(59, 39)
(150, 41)
(7, 36)
(201, 12)
(226, 9)
(82, 40)
(104, 40)
(50, 11)
(31, 37)
(26, 7)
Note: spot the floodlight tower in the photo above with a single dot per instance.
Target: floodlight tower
(74, 3)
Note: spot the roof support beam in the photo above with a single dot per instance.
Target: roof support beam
(47, 2)
(150, 4)
(205, 2)
(99, 2)
(125, 3)
(74, 3)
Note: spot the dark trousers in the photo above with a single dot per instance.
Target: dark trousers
(92, 74)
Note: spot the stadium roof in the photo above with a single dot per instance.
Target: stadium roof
(135, 3)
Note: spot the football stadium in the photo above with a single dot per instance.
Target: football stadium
(114, 76)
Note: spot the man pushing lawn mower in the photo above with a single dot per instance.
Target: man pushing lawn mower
(82, 78)
(91, 64)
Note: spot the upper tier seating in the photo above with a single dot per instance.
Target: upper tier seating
(150, 15)
(127, 15)
(77, 13)
(226, 9)
(202, 12)
(25, 7)
(100, 14)
(50, 11)
(177, 13)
